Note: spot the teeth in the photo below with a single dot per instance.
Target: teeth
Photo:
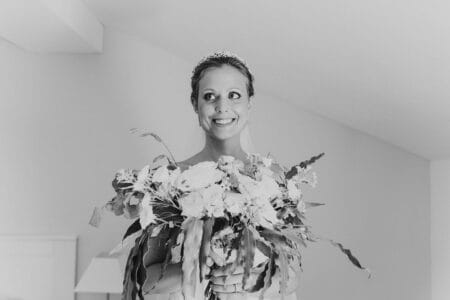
(223, 121)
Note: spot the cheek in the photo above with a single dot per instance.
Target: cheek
(243, 111)
(204, 112)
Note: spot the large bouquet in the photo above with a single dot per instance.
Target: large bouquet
(214, 214)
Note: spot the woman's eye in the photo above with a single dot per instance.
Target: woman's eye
(209, 96)
(234, 95)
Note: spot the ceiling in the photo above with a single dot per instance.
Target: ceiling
(379, 66)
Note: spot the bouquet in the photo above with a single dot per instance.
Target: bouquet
(214, 214)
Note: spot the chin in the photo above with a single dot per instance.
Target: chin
(224, 136)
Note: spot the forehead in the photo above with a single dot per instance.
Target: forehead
(223, 77)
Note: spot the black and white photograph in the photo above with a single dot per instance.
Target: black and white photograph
(224, 150)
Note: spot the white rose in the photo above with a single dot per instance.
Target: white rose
(199, 176)
(192, 205)
(269, 186)
(213, 200)
(247, 186)
(234, 202)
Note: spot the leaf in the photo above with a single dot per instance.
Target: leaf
(268, 276)
(349, 254)
(312, 204)
(169, 245)
(248, 253)
(96, 217)
(206, 245)
(119, 248)
(131, 281)
(284, 269)
(293, 236)
(193, 232)
(154, 135)
(304, 164)
(136, 226)
(259, 284)
(273, 236)
(161, 156)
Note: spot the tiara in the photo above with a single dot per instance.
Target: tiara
(222, 54)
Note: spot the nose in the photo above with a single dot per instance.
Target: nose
(222, 104)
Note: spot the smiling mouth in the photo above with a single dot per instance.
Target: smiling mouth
(224, 122)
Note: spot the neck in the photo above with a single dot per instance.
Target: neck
(215, 148)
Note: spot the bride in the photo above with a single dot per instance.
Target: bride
(222, 97)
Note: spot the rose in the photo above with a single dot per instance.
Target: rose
(192, 204)
(213, 200)
(199, 176)
(234, 202)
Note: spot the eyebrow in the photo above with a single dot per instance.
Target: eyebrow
(211, 89)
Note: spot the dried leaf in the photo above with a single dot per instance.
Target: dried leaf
(96, 217)
(350, 256)
(304, 164)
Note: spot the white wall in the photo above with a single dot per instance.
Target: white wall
(440, 229)
(63, 131)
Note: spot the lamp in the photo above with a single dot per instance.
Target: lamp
(103, 275)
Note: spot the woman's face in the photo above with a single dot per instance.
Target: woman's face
(223, 104)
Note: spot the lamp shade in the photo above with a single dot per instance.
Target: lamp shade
(103, 275)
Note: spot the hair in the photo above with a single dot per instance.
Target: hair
(217, 60)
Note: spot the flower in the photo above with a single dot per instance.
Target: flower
(146, 216)
(234, 202)
(265, 189)
(192, 204)
(293, 191)
(161, 174)
(124, 175)
(213, 200)
(199, 176)
(142, 178)
(116, 204)
(131, 206)
(267, 161)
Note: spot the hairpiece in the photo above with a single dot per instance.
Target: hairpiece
(222, 54)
